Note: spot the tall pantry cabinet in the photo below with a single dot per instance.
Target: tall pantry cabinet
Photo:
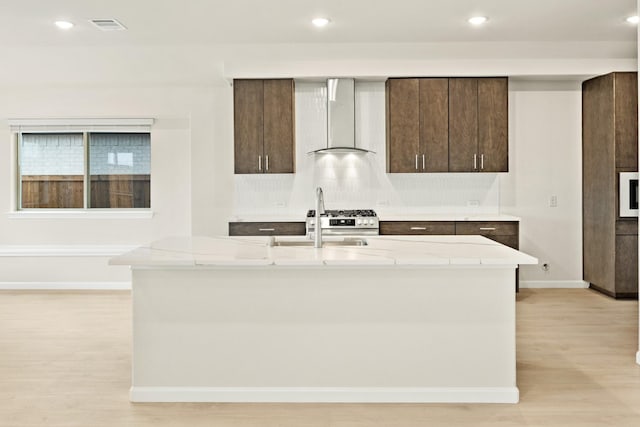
(609, 146)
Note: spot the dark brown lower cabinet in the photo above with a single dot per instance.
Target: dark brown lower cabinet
(267, 228)
(417, 227)
(622, 281)
(627, 266)
(505, 232)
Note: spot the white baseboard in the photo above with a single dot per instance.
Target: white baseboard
(553, 284)
(65, 286)
(638, 357)
(327, 394)
(63, 250)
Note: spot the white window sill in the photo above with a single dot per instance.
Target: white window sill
(81, 213)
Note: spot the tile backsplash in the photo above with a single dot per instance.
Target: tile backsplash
(358, 180)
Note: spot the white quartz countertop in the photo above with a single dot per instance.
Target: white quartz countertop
(380, 250)
(402, 216)
(384, 215)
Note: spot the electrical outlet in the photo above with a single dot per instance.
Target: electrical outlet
(553, 201)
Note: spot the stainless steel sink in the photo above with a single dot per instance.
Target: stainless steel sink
(347, 241)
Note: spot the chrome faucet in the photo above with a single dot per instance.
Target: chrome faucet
(317, 243)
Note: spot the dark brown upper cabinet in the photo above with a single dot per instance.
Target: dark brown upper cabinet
(478, 125)
(447, 125)
(625, 113)
(264, 137)
(417, 125)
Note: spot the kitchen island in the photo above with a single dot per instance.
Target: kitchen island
(402, 319)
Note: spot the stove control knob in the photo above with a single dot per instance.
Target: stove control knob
(370, 222)
(312, 222)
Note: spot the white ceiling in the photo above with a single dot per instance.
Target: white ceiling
(204, 42)
(206, 22)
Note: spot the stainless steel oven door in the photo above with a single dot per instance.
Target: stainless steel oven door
(628, 194)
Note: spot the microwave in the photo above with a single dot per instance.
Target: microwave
(628, 194)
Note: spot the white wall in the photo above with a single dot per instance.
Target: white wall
(173, 109)
(545, 159)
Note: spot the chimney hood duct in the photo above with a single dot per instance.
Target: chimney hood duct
(341, 118)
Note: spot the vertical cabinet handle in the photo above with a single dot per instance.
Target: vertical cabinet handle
(416, 162)
(423, 163)
(475, 162)
(266, 162)
(481, 161)
(259, 163)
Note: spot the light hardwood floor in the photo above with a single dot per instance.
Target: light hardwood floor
(65, 361)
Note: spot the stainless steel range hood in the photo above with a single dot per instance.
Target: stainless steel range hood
(341, 118)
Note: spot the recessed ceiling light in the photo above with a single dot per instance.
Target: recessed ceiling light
(64, 25)
(633, 19)
(478, 20)
(320, 22)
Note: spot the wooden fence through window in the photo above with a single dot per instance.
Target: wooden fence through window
(67, 191)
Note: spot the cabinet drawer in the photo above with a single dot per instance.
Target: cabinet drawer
(625, 227)
(267, 229)
(511, 241)
(497, 228)
(417, 227)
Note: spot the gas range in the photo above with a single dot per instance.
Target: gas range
(345, 222)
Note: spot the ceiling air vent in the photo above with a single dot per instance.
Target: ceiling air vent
(108, 24)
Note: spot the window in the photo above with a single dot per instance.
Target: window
(51, 170)
(119, 170)
(100, 169)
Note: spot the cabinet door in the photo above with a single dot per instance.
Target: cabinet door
(598, 184)
(279, 140)
(247, 125)
(626, 282)
(434, 125)
(403, 131)
(463, 124)
(493, 123)
(626, 119)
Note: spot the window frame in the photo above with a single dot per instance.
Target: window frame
(77, 126)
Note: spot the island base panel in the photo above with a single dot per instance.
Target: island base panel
(371, 334)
